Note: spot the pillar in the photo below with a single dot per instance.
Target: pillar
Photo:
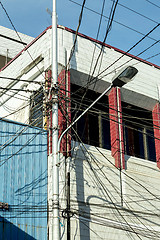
(156, 126)
(116, 130)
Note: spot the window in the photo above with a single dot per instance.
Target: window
(36, 109)
(138, 132)
(94, 127)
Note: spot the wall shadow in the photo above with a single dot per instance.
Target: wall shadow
(11, 232)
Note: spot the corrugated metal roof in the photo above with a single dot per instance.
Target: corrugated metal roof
(23, 177)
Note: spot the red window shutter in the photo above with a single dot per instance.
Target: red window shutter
(156, 126)
(114, 128)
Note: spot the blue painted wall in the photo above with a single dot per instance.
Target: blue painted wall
(23, 181)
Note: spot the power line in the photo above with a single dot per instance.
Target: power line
(19, 108)
(97, 164)
(101, 170)
(100, 22)
(133, 179)
(94, 172)
(17, 89)
(138, 230)
(104, 187)
(21, 80)
(131, 48)
(153, 3)
(20, 37)
(109, 25)
(117, 22)
(146, 35)
(24, 145)
(12, 39)
(19, 132)
(76, 34)
(128, 117)
(140, 14)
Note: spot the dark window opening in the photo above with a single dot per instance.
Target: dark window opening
(93, 130)
(36, 109)
(151, 145)
(138, 132)
(106, 141)
(82, 127)
(94, 127)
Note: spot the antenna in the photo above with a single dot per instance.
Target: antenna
(49, 11)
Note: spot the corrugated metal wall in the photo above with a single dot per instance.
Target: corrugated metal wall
(23, 179)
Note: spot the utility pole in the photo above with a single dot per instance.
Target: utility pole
(55, 169)
(120, 144)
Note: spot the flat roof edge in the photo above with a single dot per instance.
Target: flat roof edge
(86, 37)
(109, 46)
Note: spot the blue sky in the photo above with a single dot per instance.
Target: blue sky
(30, 17)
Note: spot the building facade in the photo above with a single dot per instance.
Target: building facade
(11, 44)
(112, 154)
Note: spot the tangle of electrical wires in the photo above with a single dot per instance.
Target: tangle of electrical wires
(138, 219)
(75, 40)
(118, 22)
(109, 25)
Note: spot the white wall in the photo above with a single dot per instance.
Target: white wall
(96, 185)
(96, 194)
(9, 44)
(142, 91)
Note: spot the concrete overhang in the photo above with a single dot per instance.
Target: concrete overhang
(99, 85)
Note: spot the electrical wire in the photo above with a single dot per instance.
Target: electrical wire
(130, 9)
(134, 180)
(76, 34)
(117, 22)
(82, 221)
(110, 223)
(96, 78)
(109, 25)
(17, 89)
(153, 3)
(99, 179)
(20, 131)
(115, 189)
(131, 48)
(22, 97)
(26, 144)
(21, 80)
(11, 22)
(100, 22)
(126, 117)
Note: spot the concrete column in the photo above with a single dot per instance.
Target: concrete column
(117, 151)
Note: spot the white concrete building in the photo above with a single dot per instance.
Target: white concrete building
(11, 44)
(114, 185)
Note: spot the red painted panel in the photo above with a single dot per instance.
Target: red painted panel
(114, 128)
(62, 110)
(156, 125)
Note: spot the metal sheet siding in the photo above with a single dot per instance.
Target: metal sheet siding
(23, 178)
